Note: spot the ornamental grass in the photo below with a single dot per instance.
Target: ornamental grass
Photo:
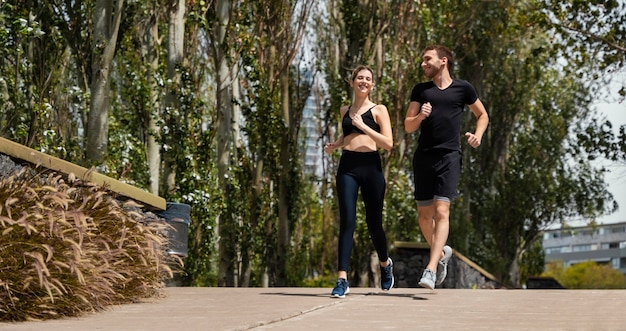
(68, 247)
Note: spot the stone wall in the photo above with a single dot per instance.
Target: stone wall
(410, 259)
(7, 166)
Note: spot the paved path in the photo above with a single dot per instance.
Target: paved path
(185, 308)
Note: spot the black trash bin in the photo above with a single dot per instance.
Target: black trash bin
(178, 216)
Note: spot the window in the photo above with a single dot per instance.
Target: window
(581, 248)
(553, 250)
(613, 245)
(551, 235)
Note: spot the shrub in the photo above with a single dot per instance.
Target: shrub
(68, 247)
(587, 275)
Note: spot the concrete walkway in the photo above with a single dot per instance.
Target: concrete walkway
(185, 308)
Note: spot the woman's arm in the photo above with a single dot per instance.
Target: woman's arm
(330, 147)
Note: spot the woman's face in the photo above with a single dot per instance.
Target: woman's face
(363, 81)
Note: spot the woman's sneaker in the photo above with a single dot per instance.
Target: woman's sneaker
(341, 289)
(428, 279)
(442, 267)
(386, 276)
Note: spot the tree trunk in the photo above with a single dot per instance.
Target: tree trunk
(283, 190)
(514, 268)
(106, 26)
(225, 226)
(175, 57)
(150, 53)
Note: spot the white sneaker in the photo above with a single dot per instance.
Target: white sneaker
(442, 267)
(428, 279)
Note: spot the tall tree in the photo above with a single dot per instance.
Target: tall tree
(278, 37)
(105, 31)
(175, 61)
(225, 60)
(593, 35)
(149, 34)
(532, 99)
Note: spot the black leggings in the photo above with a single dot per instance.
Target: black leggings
(357, 169)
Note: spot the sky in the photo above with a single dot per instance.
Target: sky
(616, 114)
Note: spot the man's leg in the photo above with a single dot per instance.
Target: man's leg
(428, 217)
(435, 224)
(441, 228)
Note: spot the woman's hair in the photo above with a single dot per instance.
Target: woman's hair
(443, 51)
(360, 67)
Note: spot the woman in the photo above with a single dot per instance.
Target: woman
(366, 127)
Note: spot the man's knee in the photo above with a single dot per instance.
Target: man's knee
(442, 211)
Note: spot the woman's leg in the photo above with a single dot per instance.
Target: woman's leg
(347, 193)
(373, 192)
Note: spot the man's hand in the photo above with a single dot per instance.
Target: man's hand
(427, 108)
(472, 140)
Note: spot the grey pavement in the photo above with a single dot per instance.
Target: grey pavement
(212, 308)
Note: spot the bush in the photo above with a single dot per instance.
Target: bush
(68, 247)
(587, 275)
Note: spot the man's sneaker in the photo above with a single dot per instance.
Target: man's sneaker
(442, 267)
(428, 279)
(386, 276)
(341, 289)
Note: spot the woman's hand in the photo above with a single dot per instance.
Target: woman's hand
(357, 121)
(329, 148)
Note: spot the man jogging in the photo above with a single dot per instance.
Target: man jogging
(436, 110)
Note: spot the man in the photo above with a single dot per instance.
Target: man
(436, 109)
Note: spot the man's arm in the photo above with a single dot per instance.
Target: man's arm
(482, 121)
(413, 119)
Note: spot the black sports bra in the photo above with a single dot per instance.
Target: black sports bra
(368, 119)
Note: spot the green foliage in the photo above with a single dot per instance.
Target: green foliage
(400, 213)
(586, 275)
(42, 104)
(68, 248)
(532, 261)
(193, 154)
(593, 36)
(527, 161)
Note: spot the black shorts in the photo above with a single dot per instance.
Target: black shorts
(436, 173)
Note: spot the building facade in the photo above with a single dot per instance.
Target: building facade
(604, 244)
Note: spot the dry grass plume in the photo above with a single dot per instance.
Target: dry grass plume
(68, 247)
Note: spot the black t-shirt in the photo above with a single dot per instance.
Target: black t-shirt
(441, 130)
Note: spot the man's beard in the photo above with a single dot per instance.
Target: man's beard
(431, 72)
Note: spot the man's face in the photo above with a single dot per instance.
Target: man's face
(432, 64)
